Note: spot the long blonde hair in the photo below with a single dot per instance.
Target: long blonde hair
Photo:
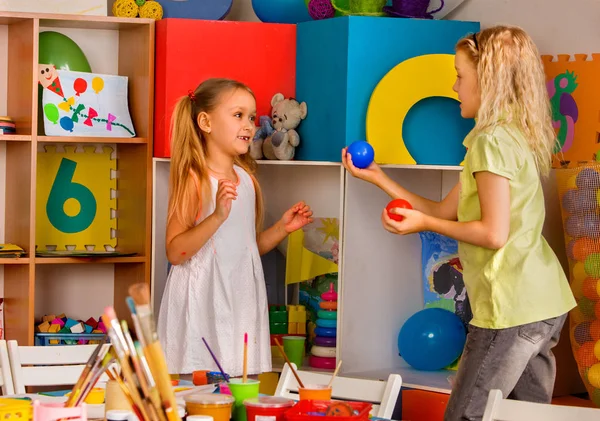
(189, 149)
(512, 85)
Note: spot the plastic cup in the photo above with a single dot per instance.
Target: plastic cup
(212, 404)
(269, 408)
(294, 349)
(242, 391)
(317, 392)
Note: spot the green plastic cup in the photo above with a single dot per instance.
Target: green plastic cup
(294, 349)
(241, 391)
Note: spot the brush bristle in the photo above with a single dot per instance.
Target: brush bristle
(110, 314)
(140, 294)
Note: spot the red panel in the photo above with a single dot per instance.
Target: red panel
(421, 405)
(189, 51)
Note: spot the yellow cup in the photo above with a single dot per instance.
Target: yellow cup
(318, 392)
(212, 404)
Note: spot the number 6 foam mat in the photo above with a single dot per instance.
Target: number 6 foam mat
(76, 198)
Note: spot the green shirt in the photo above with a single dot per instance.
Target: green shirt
(522, 282)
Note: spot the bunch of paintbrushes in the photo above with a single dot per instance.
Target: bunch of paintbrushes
(143, 376)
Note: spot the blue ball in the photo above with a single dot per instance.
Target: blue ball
(362, 153)
(432, 339)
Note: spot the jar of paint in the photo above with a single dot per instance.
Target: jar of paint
(272, 407)
(213, 404)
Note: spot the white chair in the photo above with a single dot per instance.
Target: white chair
(47, 365)
(6, 379)
(382, 394)
(499, 409)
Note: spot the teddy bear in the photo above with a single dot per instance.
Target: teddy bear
(277, 138)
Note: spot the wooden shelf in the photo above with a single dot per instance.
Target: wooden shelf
(84, 139)
(86, 260)
(299, 163)
(433, 381)
(131, 44)
(14, 261)
(74, 21)
(15, 138)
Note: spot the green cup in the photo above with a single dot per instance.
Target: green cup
(241, 391)
(294, 349)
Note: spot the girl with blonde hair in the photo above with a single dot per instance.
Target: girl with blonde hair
(518, 291)
(216, 287)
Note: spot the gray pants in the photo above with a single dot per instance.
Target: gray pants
(518, 361)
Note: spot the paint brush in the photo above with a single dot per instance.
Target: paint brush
(155, 357)
(245, 376)
(287, 360)
(121, 350)
(149, 396)
(225, 376)
(339, 364)
(84, 376)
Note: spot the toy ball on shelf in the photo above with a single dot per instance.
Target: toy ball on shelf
(281, 11)
(397, 203)
(321, 9)
(125, 8)
(362, 154)
(150, 9)
(62, 52)
(432, 339)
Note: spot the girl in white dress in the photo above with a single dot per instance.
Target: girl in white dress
(216, 287)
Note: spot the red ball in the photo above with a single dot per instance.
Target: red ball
(397, 203)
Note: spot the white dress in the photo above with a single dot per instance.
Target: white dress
(219, 294)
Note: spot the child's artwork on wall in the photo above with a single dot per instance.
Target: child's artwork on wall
(76, 198)
(443, 284)
(84, 104)
(572, 87)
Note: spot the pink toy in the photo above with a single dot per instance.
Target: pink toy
(330, 295)
(56, 411)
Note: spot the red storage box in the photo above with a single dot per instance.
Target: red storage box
(314, 411)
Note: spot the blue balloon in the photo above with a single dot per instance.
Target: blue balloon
(281, 11)
(362, 153)
(67, 124)
(432, 339)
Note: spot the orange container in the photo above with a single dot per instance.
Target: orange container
(317, 392)
(213, 404)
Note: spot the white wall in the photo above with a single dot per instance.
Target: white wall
(557, 26)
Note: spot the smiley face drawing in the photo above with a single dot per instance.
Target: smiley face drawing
(48, 77)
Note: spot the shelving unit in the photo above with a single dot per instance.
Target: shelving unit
(133, 54)
(373, 306)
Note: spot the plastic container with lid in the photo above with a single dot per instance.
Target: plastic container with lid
(213, 404)
(267, 408)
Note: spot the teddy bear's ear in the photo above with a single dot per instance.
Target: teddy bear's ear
(303, 110)
(278, 97)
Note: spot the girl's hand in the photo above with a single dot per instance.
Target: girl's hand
(296, 217)
(226, 192)
(373, 173)
(414, 221)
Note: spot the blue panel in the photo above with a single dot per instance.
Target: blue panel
(433, 131)
(376, 45)
(321, 69)
(339, 63)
